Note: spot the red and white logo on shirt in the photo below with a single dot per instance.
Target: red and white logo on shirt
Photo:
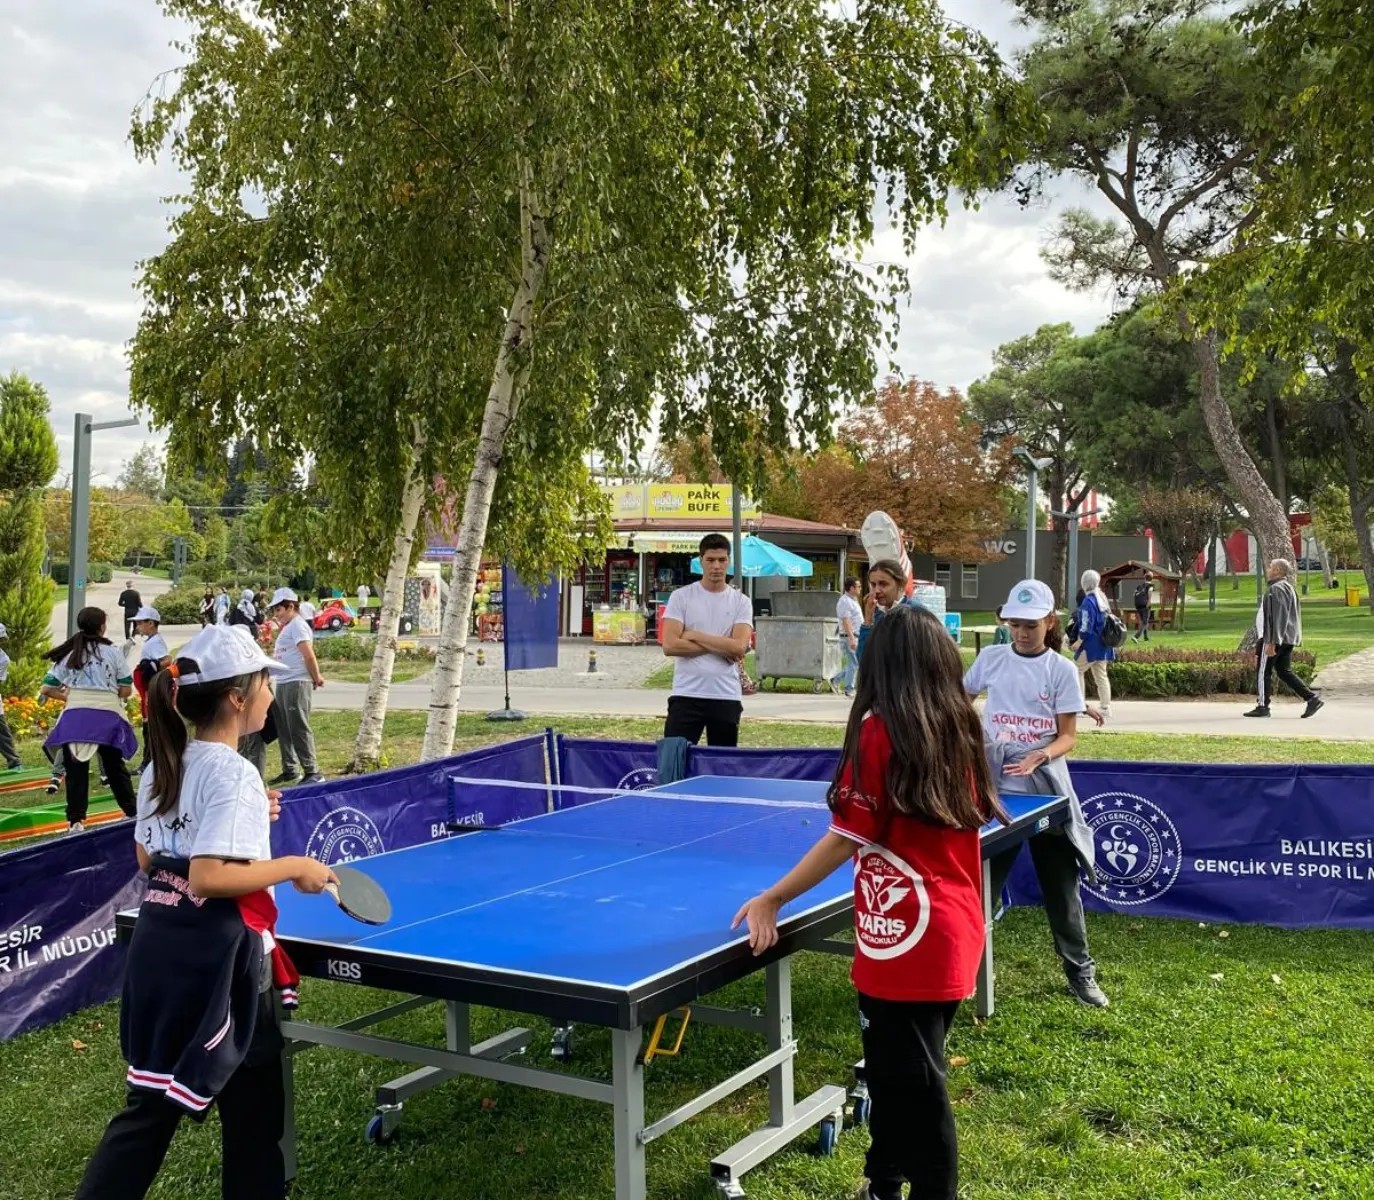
(891, 909)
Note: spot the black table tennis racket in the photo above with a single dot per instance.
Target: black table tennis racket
(360, 896)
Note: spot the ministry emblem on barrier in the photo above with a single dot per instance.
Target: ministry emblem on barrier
(1135, 848)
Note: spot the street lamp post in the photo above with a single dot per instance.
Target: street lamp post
(1033, 468)
(1072, 518)
(81, 511)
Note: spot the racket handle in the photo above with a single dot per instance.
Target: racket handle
(333, 890)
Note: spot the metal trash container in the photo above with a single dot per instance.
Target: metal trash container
(797, 648)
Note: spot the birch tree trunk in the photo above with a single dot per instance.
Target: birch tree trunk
(367, 747)
(502, 407)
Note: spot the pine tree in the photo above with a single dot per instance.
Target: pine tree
(28, 460)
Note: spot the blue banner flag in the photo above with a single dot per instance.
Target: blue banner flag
(530, 622)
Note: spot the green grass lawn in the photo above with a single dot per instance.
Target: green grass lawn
(1230, 1067)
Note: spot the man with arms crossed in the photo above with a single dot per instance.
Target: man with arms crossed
(706, 627)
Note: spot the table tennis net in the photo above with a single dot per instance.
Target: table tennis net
(660, 816)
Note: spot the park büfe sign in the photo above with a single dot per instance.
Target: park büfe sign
(58, 900)
(1291, 846)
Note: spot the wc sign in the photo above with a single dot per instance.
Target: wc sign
(1004, 546)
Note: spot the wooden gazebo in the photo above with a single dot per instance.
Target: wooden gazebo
(1121, 581)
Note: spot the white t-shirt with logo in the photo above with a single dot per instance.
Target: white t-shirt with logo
(848, 608)
(222, 811)
(1026, 693)
(103, 671)
(708, 676)
(288, 650)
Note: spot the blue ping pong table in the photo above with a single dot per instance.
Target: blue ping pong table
(615, 913)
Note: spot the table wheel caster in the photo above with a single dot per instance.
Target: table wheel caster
(828, 1135)
(729, 1189)
(862, 1104)
(384, 1125)
(562, 1049)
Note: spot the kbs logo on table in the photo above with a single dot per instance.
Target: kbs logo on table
(891, 908)
(1135, 848)
(343, 835)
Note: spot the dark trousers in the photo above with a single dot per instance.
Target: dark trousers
(252, 1115)
(911, 1122)
(7, 750)
(128, 627)
(79, 783)
(1142, 616)
(690, 716)
(1281, 664)
(1056, 868)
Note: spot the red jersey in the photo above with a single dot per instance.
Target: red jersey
(918, 888)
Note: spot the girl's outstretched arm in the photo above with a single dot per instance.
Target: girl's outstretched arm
(761, 913)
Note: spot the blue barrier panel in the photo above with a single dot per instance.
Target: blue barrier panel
(58, 900)
(584, 762)
(1291, 846)
(774, 764)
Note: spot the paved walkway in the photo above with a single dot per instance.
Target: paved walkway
(1353, 676)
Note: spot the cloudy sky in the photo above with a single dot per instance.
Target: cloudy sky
(78, 212)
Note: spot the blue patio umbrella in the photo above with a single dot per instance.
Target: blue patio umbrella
(764, 558)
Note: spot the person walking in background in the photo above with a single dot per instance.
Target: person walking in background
(1142, 611)
(7, 749)
(1002, 637)
(706, 628)
(1090, 653)
(221, 606)
(207, 608)
(296, 686)
(1278, 629)
(94, 679)
(130, 601)
(851, 617)
(245, 612)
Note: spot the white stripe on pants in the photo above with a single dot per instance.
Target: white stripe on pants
(1098, 671)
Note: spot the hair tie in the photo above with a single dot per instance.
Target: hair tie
(174, 669)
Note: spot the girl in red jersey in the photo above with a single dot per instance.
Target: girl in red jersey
(910, 794)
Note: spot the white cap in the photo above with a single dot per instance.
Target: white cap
(247, 594)
(224, 652)
(1029, 600)
(147, 613)
(283, 596)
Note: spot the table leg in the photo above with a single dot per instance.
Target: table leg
(983, 997)
(627, 1082)
(977, 644)
(778, 1031)
(288, 1133)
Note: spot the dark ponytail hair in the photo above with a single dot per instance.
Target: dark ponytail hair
(1054, 633)
(81, 646)
(913, 679)
(168, 704)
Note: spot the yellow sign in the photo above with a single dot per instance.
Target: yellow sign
(677, 501)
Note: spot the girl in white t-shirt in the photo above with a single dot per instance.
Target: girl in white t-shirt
(90, 674)
(199, 1024)
(1030, 722)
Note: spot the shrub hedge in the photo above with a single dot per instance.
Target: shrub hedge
(96, 572)
(347, 647)
(1158, 674)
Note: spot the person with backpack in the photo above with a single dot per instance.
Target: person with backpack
(1098, 631)
(1142, 611)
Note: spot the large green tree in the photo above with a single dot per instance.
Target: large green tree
(28, 459)
(1150, 106)
(503, 233)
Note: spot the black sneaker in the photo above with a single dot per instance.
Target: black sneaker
(1260, 710)
(284, 777)
(1086, 991)
(53, 784)
(313, 777)
(1312, 705)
